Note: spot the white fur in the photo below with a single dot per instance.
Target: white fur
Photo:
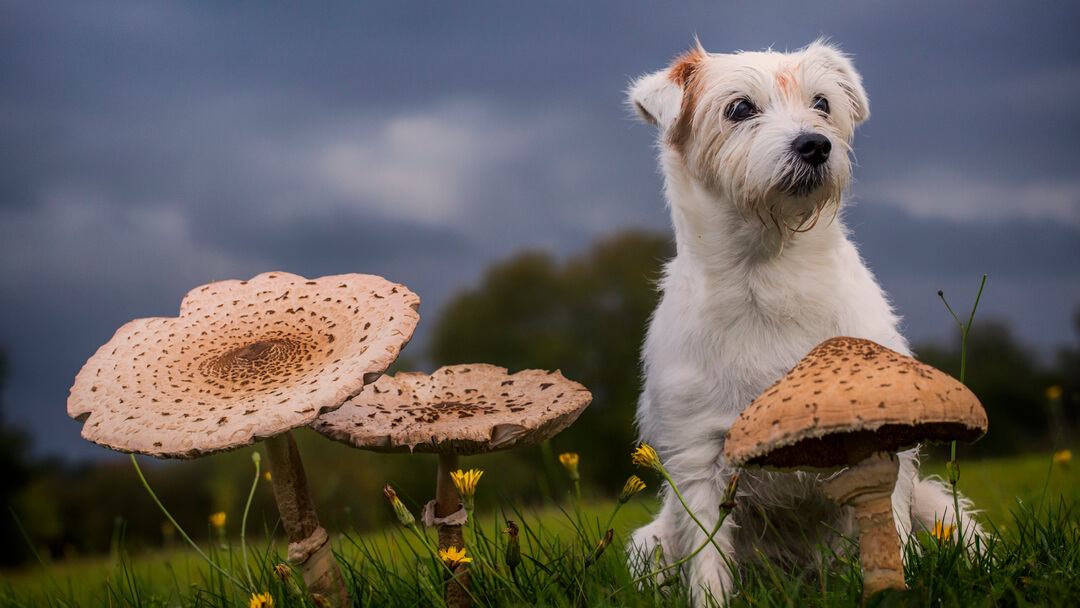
(760, 277)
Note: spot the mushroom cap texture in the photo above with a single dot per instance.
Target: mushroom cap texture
(463, 409)
(245, 360)
(847, 399)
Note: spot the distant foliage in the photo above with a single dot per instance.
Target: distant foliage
(14, 474)
(586, 317)
(1026, 413)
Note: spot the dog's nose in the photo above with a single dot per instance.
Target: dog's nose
(813, 148)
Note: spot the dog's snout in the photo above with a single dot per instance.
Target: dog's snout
(813, 148)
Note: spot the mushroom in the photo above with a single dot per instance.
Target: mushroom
(458, 410)
(248, 361)
(854, 403)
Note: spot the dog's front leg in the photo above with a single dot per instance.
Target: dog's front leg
(710, 571)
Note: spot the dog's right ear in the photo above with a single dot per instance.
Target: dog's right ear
(658, 97)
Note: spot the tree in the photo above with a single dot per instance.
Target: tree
(586, 317)
(1008, 381)
(16, 473)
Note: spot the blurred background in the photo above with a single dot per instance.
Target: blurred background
(483, 155)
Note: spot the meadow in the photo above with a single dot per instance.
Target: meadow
(1033, 559)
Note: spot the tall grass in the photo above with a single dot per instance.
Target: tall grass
(1032, 559)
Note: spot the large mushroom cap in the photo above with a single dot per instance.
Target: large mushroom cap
(244, 360)
(847, 399)
(465, 409)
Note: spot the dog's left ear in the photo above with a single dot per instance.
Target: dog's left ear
(835, 60)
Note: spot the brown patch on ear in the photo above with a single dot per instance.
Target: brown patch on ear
(682, 70)
(684, 73)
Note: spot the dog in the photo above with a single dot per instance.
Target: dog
(755, 150)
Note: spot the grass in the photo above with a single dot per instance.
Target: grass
(1033, 560)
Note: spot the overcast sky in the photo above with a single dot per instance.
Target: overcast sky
(149, 148)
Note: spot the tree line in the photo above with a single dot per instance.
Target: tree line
(584, 315)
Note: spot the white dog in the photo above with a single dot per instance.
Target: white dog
(754, 149)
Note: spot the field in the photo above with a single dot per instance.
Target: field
(1034, 559)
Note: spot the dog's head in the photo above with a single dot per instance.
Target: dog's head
(770, 132)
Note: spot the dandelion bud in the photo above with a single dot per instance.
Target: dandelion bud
(729, 493)
(600, 546)
(569, 462)
(284, 574)
(645, 456)
(513, 547)
(632, 486)
(953, 468)
(404, 516)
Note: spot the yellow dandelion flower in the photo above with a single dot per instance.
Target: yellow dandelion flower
(453, 556)
(466, 484)
(645, 456)
(1062, 457)
(942, 532)
(267, 476)
(217, 520)
(1053, 393)
(569, 462)
(262, 600)
(632, 486)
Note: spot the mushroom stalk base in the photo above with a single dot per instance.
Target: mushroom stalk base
(448, 502)
(868, 487)
(309, 545)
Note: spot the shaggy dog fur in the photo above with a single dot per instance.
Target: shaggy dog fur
(755, 153)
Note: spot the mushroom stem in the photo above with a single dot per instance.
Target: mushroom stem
(448, 502)
(868, 487)
(309, 545)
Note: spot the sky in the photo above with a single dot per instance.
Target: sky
(149, 148)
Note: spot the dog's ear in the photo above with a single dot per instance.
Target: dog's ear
(835, 60)
(658, 97)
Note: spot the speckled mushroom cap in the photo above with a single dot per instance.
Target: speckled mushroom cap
(847, 399)
(245, 360)
(464, 409)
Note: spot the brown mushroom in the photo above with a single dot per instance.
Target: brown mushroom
(458, 410)
(854, 403)
(248, 361)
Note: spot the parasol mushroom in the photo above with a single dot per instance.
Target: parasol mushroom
(248, 361)
(854, 403)
(459, 410)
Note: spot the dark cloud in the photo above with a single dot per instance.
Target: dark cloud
(147, 149)
(903, 246)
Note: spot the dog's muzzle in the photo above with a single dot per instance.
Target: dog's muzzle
(808, 169)
(812, 148)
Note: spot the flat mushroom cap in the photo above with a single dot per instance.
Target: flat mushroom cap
(847, 399)
(245, 360)
(464, 409)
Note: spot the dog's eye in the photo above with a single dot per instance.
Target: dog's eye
(741, 110)
(821, 105)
